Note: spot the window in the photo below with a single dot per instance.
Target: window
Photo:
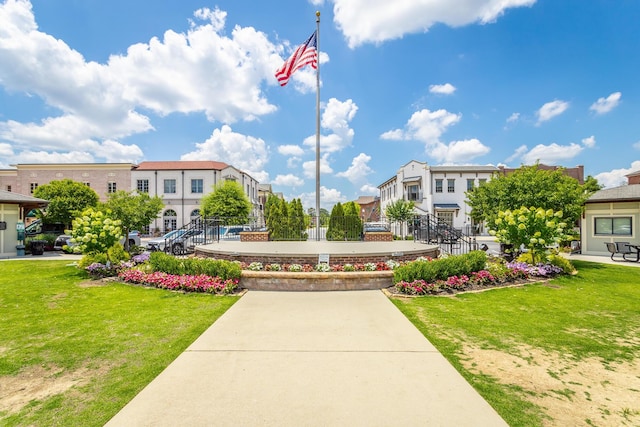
(111, 187)
(142, 185)
(413, 192)
(470, 184)
(9, 188)
(169, 186)
(612, 226)
(482, 181)
(451, 185)
(197, 186)
(33, 186)
(438, 186)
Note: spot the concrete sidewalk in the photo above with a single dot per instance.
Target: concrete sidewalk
(309, 359)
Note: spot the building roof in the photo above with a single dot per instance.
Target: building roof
(182, 165)
(365, 200)
(624, 193)
(15, 198)
(636, 173)
(464, 168)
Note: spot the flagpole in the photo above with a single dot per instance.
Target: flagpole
(318, 126)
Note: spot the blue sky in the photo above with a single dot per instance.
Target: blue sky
(441, 81)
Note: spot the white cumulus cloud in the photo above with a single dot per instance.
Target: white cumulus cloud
(604, 105)
(288, 180)
(551, 110)
(552, 154)
(617, 177)
(244, 152)
(445, 89)
(364, 21)
(358, 170)
(589, 142)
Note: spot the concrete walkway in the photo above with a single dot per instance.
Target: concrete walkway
(309, 359)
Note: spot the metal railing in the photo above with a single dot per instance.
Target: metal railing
(432, 230)
(426, 229)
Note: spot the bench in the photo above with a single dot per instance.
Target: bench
(622, 249)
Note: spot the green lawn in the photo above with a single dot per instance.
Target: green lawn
(566, 331)
(97, 346)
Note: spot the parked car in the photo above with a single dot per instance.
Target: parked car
(62, 241)
(232, 232)
(175, 241)
(134, 238)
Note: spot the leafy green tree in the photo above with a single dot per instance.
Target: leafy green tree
(400, 211)
(534, 228)
(530, 186)
(227, 200)
(134, 211)
(67, 198)
(95, 231)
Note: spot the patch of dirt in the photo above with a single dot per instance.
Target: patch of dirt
(37, 383)
(572, 393)
(93, 283)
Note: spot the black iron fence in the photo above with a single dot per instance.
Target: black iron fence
(425, 229)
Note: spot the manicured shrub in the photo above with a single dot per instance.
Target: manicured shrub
(194, 266)
(440, 269)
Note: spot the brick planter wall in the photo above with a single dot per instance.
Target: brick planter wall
(313, 259)
(254, 236)
(315, 281)
(378, 236)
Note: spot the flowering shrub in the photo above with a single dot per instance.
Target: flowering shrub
(273, 267)
(294, 268)
(535, 228)
(187, 283)
(95, 231)
(98, 270)
(349, 267)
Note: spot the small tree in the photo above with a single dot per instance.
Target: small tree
(534, 228)
(67, 198)
(400, 211)
(134, 211)
(227, 200)
(335, 231)
(352, 221)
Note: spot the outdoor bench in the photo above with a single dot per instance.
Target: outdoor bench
(623, 249)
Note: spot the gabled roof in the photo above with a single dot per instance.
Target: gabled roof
(26, 202)
(182, 165)
(624, 193)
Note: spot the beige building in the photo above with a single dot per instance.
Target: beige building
(180, 184)
(611, 215)
(104, 178)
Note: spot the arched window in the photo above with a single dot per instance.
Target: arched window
(170, 218)
(195, 216)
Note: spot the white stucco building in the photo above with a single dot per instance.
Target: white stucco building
(182, 184)
(437, 190)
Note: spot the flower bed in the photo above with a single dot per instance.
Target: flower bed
(511, 273)
(185, 282)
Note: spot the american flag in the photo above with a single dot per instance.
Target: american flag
(305, 54)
